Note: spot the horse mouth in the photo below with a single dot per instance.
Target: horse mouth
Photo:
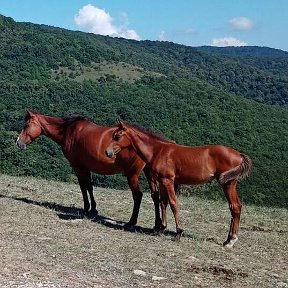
(20, 144)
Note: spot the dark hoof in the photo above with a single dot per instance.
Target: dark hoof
(159, 228)
(130, 224)
(179, 233)
(91, 213)
(226, 242)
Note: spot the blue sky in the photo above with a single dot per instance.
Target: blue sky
(190, 22)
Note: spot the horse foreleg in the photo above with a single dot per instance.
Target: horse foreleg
(133, 182)
(169, 192)
(83, 189)
(155, 197)
(235, 209)
(85, 183)
(93, 209)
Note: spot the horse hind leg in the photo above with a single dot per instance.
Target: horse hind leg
(235, 209)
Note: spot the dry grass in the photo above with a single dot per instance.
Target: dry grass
(45, 242)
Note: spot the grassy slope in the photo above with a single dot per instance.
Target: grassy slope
(45, 241)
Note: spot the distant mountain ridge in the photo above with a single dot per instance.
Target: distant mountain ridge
(268, 59)
(245, 51)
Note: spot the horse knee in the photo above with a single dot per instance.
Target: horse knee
(235, 209)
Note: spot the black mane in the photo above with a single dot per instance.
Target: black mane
(72, 118)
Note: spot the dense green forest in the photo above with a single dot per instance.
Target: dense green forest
(194, 96)
(269, 59)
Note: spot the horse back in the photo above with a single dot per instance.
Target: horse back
(198, 164)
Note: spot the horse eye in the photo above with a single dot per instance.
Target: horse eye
(117, 137)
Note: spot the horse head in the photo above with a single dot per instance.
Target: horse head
(31, 130)
(119, 140)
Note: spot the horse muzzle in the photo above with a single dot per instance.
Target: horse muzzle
(20, 144)
(110, 153)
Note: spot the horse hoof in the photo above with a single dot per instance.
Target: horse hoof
(130, 224)
(159, 228)
(229, 243)
(91, 213)
(179, 233)
(177, 237)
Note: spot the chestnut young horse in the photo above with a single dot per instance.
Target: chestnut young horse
(176, 164)
(83, 143)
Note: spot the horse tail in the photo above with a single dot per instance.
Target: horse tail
(238, 172)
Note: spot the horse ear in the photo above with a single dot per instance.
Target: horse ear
(29, 113)
(121, 124)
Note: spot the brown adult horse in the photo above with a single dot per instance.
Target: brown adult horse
(171, 163)
(83, 143)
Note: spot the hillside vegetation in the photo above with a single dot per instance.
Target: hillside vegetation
(188, 95)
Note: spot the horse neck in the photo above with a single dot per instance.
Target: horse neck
(145, 146)
(52, 128)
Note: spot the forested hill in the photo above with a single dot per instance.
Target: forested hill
(246, 51)
(194, 97)
(35, 49)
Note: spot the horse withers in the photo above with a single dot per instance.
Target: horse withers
(177, 164)
(83, 143)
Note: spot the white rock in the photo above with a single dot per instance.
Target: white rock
(139, 272)
(157, 278)
(282, 285)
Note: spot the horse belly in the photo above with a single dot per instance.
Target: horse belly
(192, 179)
(194, 173)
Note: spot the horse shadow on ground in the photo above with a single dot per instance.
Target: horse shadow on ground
(68, 213)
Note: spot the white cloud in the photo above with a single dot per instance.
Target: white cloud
(227, 41)
(98, 21)
(241, 23)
